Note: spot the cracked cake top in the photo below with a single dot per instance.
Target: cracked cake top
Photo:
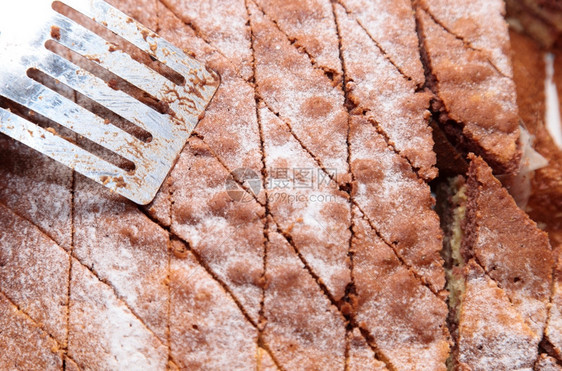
(297, 229)
(469, 71)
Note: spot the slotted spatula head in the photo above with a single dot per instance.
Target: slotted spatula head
(28, 26)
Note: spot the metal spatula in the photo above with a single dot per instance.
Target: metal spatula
(28, 26)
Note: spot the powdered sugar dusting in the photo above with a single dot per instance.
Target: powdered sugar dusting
(33, 273)
(547, 363)
(124, 248)
(396, 202)
(209, 294)
(391, 23)
(361, 356)
(479, 22)
(498, 339)
(299, 93)
(226, 233)
(390, 100)
(303, 329)
(530, 302)
(223, 24)
(311, 208)
(230, 125)
(207, 329)
(311, 24)
(103, 333)
(24, 345)
(37, 187)
(406, 320)
(508, 245)
(160, 208)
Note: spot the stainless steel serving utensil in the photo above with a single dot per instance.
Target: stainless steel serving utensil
(26, 26)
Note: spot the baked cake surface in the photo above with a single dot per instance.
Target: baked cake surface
(297, 229)
(466, 47)
(500, 276)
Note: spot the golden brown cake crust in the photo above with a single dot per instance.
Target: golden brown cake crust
(390, 297)
(492, 335)
(24, 345)
(201, 280)
(379, 89)
(304, 330)
(311, 25)
(471, 76)
(396, 202)
(508, 244)
(391, 26)
(547, 363)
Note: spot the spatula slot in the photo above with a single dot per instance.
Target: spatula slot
(113, 81)
(66, 134)
(118, 43)
(37, 119)
(97, 91)
(109, 116)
